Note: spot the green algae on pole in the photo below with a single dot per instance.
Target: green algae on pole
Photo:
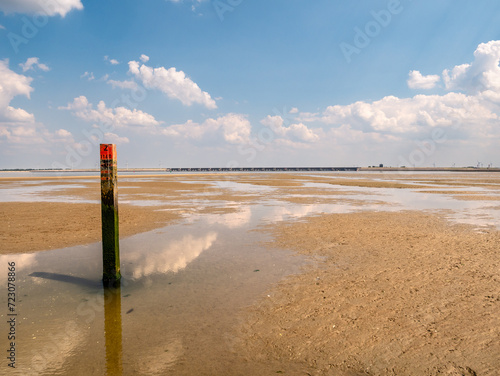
(109, 216)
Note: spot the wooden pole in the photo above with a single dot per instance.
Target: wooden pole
(109, 216)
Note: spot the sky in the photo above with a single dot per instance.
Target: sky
(236, 83)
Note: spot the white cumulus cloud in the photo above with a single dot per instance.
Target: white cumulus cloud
(417, 81)
(302, 133)
(235, 128)
(467, 118)
(175, 84)
(413, 115)
(117, 117)
(32, 63)
(49, 8)
(111, 61)
(63, 133)
(88, 75)
(12, 85)
(480, 75)
(113, 138)
(232, 128)
(18, 129)
(144, 58)
(296, 132)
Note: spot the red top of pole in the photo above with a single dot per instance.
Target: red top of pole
(108, 152)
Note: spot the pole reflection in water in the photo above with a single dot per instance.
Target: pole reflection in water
(113, 330)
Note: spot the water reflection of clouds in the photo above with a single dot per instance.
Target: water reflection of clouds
(475, 212)
(289, 211)
(171, 258)
(237, 219)
(275, 211)
(24, 262)
(32, 193)
(243, 187)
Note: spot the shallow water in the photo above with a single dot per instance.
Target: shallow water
(182, 287)
(33, 192)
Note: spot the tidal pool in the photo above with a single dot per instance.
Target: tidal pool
(181, 290)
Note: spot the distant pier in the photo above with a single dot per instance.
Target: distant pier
(250, 169)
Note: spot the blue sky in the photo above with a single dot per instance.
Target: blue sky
(249, 83)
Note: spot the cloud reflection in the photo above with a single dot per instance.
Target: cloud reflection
(174, 257)
(24, 261)
(298, 211)
(230, 220)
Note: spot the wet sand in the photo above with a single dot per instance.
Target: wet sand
(403, 293)
(393, 294)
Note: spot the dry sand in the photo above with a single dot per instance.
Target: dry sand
(390, 294)
(393, 294)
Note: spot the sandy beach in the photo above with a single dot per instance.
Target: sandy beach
(395, 294)
(389, 292)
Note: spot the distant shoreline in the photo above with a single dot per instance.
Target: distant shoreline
(276, 169)
(427, 169)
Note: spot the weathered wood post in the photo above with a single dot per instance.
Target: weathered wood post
(109, 216)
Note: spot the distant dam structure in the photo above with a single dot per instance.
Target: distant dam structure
(246, 169)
